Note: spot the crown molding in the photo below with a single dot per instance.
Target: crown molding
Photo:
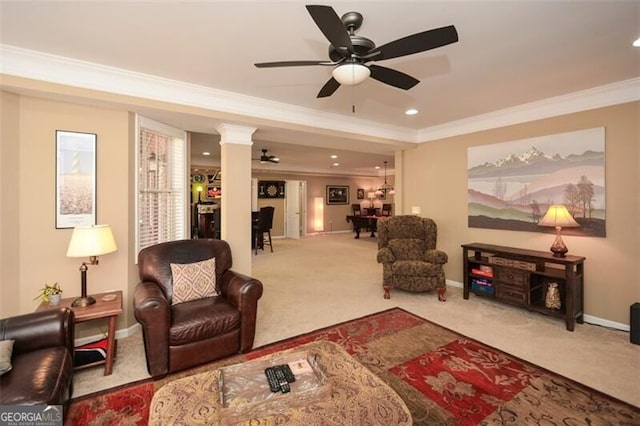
(72, 72)
(597, 97)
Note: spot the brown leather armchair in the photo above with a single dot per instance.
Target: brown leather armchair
(407, 251)
(42, 358)
(186, 334)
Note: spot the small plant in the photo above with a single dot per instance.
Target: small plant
(47, 291)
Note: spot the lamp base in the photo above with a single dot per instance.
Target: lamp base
(559, 254)
(82, 302)
(558, 248)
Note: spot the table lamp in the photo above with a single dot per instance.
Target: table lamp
(558, 216)
(371, 196)
(89, 241)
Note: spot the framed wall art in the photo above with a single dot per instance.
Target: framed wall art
(337, 194)
(360, 194)
(512, 184)
(75, 179)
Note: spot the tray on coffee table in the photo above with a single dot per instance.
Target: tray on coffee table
(245, 392)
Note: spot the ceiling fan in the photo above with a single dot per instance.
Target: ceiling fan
(349, 53)
(264, 158)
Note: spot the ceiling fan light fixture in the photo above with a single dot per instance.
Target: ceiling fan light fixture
(351, 74)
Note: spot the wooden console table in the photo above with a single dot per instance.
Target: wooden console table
(109, 309)
(522, 277)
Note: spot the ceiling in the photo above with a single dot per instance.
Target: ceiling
(509, 53)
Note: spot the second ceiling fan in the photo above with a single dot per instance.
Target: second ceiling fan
(349, 53)
(265, 158)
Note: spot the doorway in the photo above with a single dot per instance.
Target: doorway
(295, 208)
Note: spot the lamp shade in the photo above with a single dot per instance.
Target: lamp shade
(371, 195)
(351, 74)
(558, 215)
(87, 241)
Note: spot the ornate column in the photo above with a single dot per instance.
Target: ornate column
(235, 164)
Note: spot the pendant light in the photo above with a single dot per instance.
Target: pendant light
(385, 187)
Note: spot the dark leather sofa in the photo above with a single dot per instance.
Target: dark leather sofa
(42, 358)
(179, 336)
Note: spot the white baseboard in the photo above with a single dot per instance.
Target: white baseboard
(590, 319)
(454, 284)
(329, 232)
(606, 323)
(122, 333)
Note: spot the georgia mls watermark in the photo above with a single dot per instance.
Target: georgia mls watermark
(30, 415)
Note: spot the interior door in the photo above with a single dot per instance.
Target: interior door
(293, 207)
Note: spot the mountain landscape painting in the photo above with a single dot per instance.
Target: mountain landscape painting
(511, 184)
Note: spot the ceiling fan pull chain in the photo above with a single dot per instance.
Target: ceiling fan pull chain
(353, 99)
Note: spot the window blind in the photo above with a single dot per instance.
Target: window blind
(162, 191)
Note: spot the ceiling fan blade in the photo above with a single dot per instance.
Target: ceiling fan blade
(331, 26)
(293, 64)
(415, 43)
(328, 88)
(392, 77)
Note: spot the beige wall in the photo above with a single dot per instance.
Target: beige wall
(278, 214)
(10, 289)
(435, 179)
(39, 246)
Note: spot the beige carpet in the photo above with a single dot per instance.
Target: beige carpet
(325, 279)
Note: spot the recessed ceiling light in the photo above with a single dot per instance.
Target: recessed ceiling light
(636, 43)
(411, 111)
(206, 153)
(336, 164)
(377, 167)
(334, 156)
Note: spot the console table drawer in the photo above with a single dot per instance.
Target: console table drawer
(512, 277)
(511, 294)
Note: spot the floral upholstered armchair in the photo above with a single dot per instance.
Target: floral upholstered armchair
(410, 260)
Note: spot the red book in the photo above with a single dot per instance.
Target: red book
(476, 271)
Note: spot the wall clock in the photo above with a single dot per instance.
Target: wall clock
(270, 189)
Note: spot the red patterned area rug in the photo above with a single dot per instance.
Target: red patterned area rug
(444, 378)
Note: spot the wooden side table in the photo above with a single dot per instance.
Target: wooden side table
(103, 308)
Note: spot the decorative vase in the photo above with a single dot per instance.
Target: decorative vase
(54, 299)
(552, 300)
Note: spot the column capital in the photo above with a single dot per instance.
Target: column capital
(235, 134)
